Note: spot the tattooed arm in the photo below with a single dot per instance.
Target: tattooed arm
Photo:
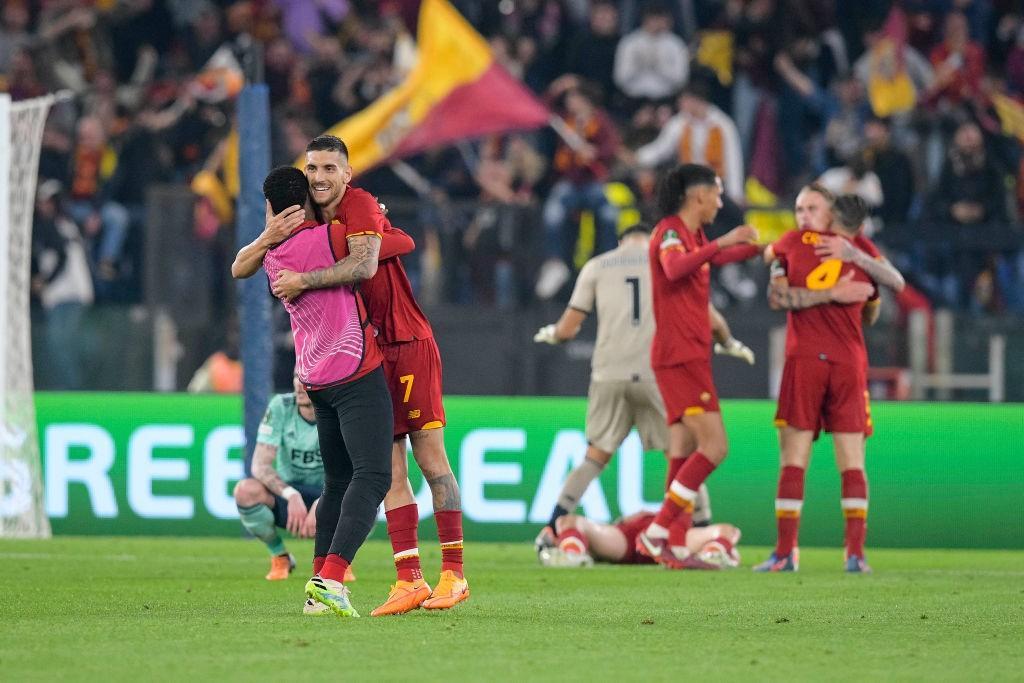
(878, 269)
(359, 265)
(782, 297)
(263, 468)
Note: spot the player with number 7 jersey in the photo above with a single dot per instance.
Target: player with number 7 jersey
(412, 366)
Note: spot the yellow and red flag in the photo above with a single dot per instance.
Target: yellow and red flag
(455, 91)
(1010, 113)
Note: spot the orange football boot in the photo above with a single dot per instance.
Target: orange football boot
(450, 591)
(405, 596)
(280, 567)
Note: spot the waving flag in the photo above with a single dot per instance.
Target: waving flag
(1010, 113)
(455, 91)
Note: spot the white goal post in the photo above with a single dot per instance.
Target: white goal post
(22, 510)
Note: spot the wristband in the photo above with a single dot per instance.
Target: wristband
(289, 491)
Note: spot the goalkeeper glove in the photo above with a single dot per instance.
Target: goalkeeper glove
(737, 349)
(546, 335)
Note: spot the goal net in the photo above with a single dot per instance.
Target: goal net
(22, 512)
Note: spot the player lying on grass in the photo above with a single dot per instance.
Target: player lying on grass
(825, 278)
(287, 477)
(623, 394)
(581, 541)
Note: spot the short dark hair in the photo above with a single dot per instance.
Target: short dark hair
(285, 186)
(880, 120)
(655, 8)
(850, 210)
(673, 185)
(636, 228)
(328, 143)
(700, 83)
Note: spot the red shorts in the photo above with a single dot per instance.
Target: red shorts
(631, 527)
(687, 389)
(820, 395)
(413, 371)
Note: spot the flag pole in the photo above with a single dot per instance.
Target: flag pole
(571, 137)
(411, 177)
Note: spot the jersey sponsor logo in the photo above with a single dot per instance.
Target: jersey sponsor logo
(305, 458)
(413, 414)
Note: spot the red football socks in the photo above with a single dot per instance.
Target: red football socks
(402, 523)
(334, 568)
(788, 503)
(449, 533)
(682, 492)
(855, 510)
(673, 469)
(572, 541)
(318, 564)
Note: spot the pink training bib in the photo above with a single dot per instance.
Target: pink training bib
(325, 322)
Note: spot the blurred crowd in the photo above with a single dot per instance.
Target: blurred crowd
(914, 104)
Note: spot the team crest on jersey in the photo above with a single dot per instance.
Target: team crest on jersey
(670, 239)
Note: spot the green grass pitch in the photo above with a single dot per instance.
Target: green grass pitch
(153, 609)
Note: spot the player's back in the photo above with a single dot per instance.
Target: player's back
(625, 320)
(831, 331)
(331, 345)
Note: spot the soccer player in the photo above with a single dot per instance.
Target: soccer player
(287, 477)
(412, 365)
(680, 258)
(825, 285)
(623, 393)
(581, 541)
(339, 362)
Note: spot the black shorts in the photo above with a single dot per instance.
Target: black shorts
(309, 494)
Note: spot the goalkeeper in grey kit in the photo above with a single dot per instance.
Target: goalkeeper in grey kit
(623, 393)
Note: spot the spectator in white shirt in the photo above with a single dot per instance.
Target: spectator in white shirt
(652, 62)
(700, 133)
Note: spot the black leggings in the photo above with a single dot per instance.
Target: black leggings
(354, 422)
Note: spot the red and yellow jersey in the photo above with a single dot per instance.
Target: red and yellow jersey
(392, 307)
(680, 261)
(832, 332)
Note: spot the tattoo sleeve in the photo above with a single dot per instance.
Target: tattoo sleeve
(782, 297)
(263, 468)
(445, 492)
(879, 270)
(359, 265)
